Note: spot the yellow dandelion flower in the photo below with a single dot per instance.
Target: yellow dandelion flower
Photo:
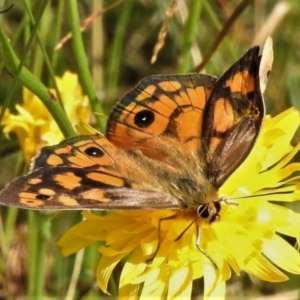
(34, 125)
(160, 246)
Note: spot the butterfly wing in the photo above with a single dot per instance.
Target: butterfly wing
(233, 117)
(87, 172)
(220, 120)
(160, 114)
(175, 139)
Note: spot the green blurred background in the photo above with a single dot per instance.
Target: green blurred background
(118, 45)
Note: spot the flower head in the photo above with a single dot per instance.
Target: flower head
(160, 246)
(34, 125)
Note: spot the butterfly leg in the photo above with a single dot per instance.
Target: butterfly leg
(184, 231)
(198, 238)
(158, 234)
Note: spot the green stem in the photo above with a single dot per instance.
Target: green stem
(44, 234)
(43, 50)
(57, 31)
(75, 275)
(12, 64)
(116, 50)
(82, 63)
(33, 250)
(9, 226)
(210, 11)
(190, 33)
(39, 229)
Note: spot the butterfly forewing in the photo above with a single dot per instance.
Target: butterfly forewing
(90, 150)
(86, 172)
(69, 188)
(170, 107)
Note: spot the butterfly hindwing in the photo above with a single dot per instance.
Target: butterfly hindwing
(232, 118)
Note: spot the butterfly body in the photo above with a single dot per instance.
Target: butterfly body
(170, 143)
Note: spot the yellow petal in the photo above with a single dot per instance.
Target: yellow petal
(150, 243)
(129, 292)
(214, 285)
(122, 246)
(285, 220)
(82, 235)
(263, 269)
(198, 269)
(155, 285)
(165, 247)
(134, 267)
(272, 178)
(180, 283)
(282, 254)
(105, 268)
(288, 157)
(24, 113)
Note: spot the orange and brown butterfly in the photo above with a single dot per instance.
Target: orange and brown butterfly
(170, 143)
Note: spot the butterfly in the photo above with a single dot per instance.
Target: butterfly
(170, 143)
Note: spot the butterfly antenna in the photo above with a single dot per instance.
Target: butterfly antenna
(225, 199)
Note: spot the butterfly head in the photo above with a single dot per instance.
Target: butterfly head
(209, 211)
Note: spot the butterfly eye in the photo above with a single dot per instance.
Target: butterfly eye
(144, 118)
(202, 211)
(210, 210)
(93, 151)
(217, 205)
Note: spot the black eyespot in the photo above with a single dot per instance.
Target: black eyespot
(42, 197)
(144, 118)
(93, 151)
(202, 211)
